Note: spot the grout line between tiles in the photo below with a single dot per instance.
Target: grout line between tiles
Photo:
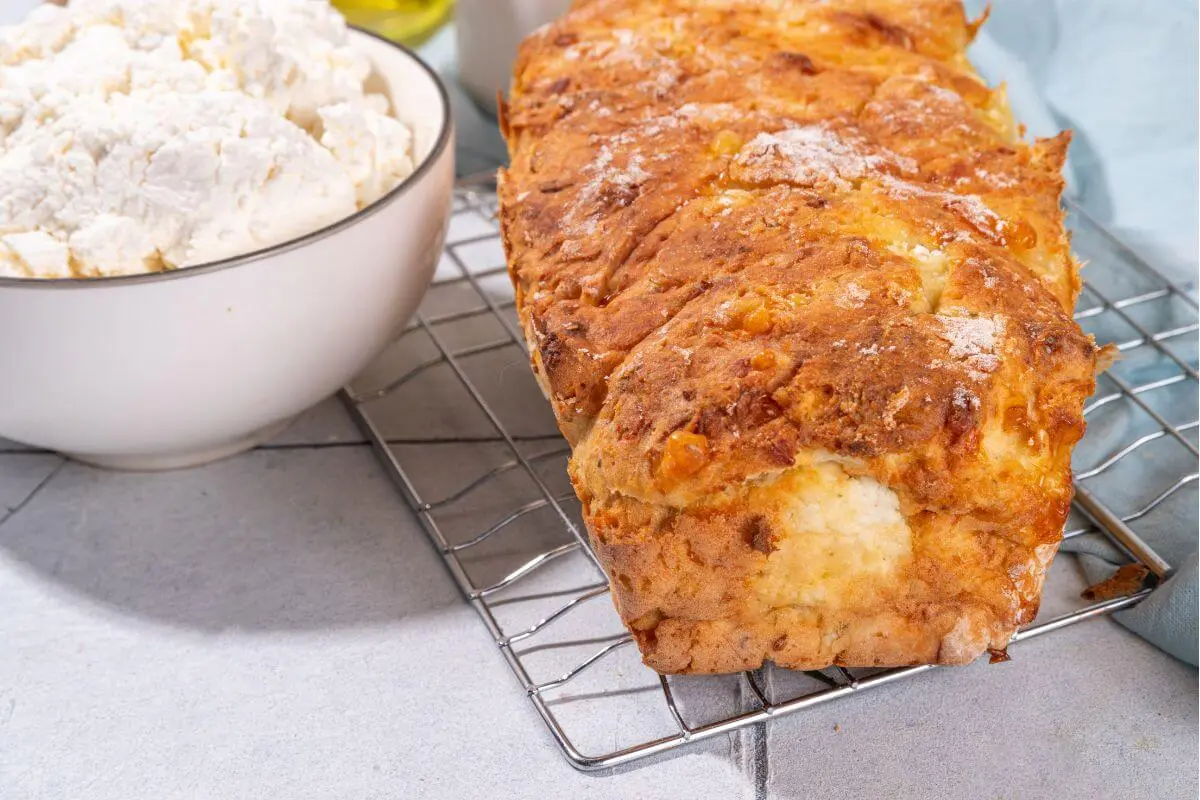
(537, 437)
(311, 445)
(12, 512)
(749, 746)
(762, 760)
(402, 441)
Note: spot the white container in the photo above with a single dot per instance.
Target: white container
(179, 368)
(489, 32)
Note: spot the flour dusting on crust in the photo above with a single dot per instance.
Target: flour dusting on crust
(811, 155)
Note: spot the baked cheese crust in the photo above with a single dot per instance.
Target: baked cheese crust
(801, 300)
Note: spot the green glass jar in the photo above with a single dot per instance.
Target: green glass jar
(409, 22)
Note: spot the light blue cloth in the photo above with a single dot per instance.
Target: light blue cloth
(1123, 76)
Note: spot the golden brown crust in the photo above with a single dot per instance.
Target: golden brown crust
(801, 302)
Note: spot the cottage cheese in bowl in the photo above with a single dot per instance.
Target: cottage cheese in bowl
(210, 220)
(142, 135)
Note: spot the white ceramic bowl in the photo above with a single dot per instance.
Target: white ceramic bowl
(179, 368)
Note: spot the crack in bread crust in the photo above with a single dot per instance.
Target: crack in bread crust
(771, 256)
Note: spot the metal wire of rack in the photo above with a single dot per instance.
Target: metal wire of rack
(496, 507)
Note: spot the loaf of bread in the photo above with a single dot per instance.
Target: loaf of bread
(801, 299)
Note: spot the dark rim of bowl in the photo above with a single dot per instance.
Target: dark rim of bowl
(439, 146)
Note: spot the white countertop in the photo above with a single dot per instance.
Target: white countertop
(277, 625)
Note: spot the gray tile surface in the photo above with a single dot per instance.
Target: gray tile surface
(277, 621)
(273, 623)
(325, 424)
(21, 474)
(1091, 711)
(277, 626)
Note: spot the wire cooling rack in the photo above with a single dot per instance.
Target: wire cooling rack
(458, 421)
